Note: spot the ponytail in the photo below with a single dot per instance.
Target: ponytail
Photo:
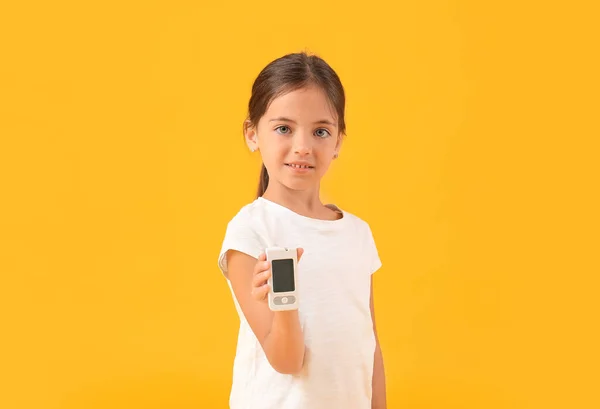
(263, 182)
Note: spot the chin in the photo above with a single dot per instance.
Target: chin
(298, 186)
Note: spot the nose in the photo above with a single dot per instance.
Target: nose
(302, 143)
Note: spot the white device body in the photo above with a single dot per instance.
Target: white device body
(283, 288)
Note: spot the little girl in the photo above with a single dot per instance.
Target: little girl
(325, 354)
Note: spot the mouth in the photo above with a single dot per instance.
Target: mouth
(299, 166)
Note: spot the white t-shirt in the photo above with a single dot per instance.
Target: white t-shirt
(333, 285)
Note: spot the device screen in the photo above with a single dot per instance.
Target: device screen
(283, 275)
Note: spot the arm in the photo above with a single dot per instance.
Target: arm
(379, 400)
(279, 333)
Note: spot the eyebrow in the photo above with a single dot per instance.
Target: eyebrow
(282, 118)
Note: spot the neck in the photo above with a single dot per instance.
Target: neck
(304, 202)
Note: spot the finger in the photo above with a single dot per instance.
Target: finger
(300, 253)
(260, 293)
(261, 278)
(261, 266)
(263, 291)
(262, 256)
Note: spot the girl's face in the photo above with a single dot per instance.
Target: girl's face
(298, 137)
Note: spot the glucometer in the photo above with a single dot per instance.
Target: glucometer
(283, 295)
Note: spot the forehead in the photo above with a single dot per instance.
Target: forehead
(304, 104)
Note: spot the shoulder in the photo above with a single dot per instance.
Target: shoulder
(244, 233)
(249, 215)
(367, 238)
(357, 222)
(361, 228)
(252, 221)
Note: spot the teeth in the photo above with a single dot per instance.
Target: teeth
(299, 166)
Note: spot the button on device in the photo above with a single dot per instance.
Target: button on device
(284, 300)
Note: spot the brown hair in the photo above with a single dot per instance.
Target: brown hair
(286, 74)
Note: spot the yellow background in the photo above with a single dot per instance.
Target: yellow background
(472, 151)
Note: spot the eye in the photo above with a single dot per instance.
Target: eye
(282, 129)
(322, 133)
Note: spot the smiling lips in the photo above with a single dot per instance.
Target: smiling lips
(299, 167)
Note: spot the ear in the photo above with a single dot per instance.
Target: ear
(250, 135)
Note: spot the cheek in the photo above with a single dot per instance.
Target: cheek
(273, 153)
(325, 154)
(324, 164)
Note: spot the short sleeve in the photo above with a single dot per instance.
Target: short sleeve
(375, 261)
(239, 236)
